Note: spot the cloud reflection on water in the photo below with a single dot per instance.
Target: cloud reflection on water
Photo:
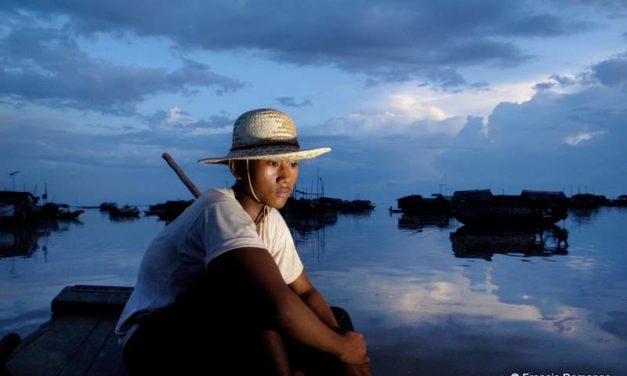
(536, 304)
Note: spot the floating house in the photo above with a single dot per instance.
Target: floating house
(18, 207)
(530, 208)
(416, 204)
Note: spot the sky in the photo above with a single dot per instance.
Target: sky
(414, 97)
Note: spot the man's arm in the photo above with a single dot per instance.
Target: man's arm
(314, 300)
(256, 267)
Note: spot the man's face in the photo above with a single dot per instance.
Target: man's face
(273, 181)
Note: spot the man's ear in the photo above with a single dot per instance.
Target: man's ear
(235, 169)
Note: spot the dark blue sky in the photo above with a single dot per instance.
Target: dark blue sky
(413, 96)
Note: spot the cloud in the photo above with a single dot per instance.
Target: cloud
(291, 102)
(400, 114)
(45, 66)
(177, 120)
(552, 141)
(393, 41)
(581, 137)
(612, 72)
(557, 81)
(52, 139)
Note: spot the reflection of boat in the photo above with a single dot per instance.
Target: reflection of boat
(22, 240)
(168, 210)
(320, 205)
(124, 212)
(417, 222)
(583, 216)
(478, 242)
(19, 241)
(305, 224)
(530, 208)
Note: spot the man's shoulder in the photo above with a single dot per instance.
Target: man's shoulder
(218, 195)
(209, 200)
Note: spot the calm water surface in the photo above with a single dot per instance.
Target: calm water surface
(431, 296)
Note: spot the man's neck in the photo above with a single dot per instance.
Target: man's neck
(249, 204)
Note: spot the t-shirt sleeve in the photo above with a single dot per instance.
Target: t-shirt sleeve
(227, 227)
(283, 249)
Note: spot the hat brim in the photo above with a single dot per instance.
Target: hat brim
(268, 153)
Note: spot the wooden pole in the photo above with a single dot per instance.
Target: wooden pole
(181, 174)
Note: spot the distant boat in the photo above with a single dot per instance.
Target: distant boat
(620, 201)
(168, 210)
(530, 208)
(107, 206)
(51, 210)
(125, 211)
(416, 204)
(588, 201)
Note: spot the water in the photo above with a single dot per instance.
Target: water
(430, 297)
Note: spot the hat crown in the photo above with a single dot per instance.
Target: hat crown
(265, 134)
(263, 127)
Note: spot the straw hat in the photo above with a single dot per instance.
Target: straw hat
(265, 134)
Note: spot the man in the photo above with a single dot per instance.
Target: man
(222, 286)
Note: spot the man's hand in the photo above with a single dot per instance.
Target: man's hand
(354, 349)
(356, 370)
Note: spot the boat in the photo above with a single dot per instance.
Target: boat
(107, 206)
(588, 201)
(416, 204)
(125, 211)
(168, 210)
(620, 201)
(79, 339)
(529, 209)
(53, 211)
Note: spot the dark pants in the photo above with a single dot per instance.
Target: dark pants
(213, 329)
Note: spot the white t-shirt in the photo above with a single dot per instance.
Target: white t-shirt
(214, 224)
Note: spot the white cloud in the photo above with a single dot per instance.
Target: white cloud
(400, 113)
(531, 144)
(581, 137)
(175, 117)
